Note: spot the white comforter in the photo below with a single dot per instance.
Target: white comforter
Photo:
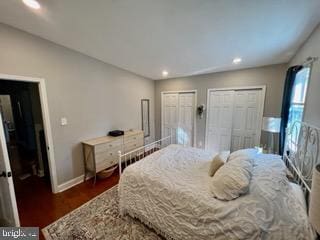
(169, 191)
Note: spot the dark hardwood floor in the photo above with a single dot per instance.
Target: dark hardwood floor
(38, 206)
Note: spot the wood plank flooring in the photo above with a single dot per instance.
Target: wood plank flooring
(38, 206)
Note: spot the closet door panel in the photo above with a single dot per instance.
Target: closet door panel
(174, 134)
(248, 142)
(245, 119)
(166, 131)
(220, 112)
(186, 119)
(178, 117)
(170, 115)
(235, 142)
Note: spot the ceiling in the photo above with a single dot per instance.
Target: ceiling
(184, 37)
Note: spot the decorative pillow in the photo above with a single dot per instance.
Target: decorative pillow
(247, 153)
(232, 179)
(218, 161)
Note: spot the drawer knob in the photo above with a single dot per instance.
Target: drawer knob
(110, 145)
(110, 154)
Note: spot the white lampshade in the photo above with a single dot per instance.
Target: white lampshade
(314, 210)
(271, 124)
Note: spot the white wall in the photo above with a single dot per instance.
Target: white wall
(311, 48)
(95, 97)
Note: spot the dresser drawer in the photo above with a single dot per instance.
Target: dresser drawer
(106, 159)
(108, 146)
(106, 155)
(106, 164)
(133, 138)
(133, 145)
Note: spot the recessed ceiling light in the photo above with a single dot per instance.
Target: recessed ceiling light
(237, 60)
(32, 4)
(164, 73)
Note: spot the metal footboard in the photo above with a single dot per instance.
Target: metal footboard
(137, 154)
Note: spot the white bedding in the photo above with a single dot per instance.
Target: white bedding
(169, 191)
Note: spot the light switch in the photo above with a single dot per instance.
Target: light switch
(64, 121)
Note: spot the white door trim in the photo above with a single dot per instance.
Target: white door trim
(195, 111)
(46, 122)
(262, 87)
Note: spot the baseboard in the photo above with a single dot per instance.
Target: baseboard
(71, 183)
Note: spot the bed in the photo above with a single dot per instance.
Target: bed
(169, 191)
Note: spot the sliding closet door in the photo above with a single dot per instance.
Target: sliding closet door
(219, 120)
(170, 115)
(246, 119)
(186, 119)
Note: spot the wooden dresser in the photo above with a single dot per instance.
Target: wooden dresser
(101, 153)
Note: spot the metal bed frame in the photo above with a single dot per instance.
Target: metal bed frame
(137, 154)
(301, 153)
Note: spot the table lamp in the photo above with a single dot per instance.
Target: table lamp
(271, 125)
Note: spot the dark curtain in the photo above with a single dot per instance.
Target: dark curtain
(287, 92)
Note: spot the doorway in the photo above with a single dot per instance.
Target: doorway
(234, 118)
(26, 152)
(178, 114)
(23, 127)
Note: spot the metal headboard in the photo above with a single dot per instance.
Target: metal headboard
(301, 153)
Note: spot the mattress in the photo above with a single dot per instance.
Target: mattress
(169, 191)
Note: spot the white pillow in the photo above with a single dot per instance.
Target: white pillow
(218, 161)
(247, 153)
(232, 179)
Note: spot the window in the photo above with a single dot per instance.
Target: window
(298, 96)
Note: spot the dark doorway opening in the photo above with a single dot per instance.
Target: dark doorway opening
(21, 111)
